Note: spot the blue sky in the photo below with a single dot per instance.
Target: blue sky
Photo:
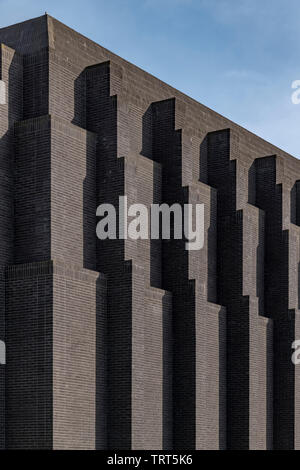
(239, 57)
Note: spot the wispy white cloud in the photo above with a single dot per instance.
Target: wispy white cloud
(248, 75)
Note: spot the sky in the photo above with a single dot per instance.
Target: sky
(238, 57)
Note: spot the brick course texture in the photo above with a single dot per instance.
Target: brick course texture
(123, 344)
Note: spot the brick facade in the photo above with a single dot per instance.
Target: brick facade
(123, 344)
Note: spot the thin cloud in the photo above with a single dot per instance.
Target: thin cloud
(249, 75)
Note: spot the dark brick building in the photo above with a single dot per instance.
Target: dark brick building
(139, 344)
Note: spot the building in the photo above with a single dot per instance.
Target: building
(124, 344)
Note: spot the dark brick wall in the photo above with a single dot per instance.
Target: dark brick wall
(125, 344)
(29, 368)
(79, 357)
(11, 73)
(32, 190)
